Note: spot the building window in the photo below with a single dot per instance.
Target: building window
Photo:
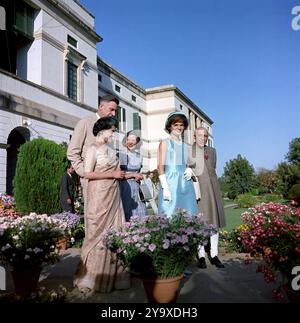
(24, 19)
(73, 76)
(72, 81)
(121, 116)
(117, 88)
(180, 106)
(133, 98)
(136, 121)
(72, 41)
(99, 78)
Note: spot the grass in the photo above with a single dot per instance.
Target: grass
(233, 218)
(228, 202)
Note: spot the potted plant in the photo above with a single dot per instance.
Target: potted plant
(159, 248)
(27, 244)
(71, 222)
(273, 234)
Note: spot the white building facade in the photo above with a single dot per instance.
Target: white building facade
(51, 77)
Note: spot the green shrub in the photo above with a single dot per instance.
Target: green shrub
(246, 200)
(254, 191)
(272, 198)
(40, 166)
(294, 193)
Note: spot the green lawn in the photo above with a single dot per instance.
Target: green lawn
(228, 202)
(233, 218)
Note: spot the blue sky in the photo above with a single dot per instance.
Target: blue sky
(238, 60)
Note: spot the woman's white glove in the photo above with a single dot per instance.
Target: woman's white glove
(188, 173)
(165, 187)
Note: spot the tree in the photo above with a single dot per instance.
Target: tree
(267, 180)
(40, 166)
(288, 175)
(239, 175)
(293, 156)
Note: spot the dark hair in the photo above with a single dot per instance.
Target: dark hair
(104, 123)
(69, 164)
(132, 132)
(176, 118)
(109, 98)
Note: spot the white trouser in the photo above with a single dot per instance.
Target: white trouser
(153, 206)
(214, 240)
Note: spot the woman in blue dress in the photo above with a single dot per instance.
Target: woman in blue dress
(131, 163)
(175, 191)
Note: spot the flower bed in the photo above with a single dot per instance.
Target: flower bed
(274, 234)
(158, 247)
(8, 206)
(29, 241)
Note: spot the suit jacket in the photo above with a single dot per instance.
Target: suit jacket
(81, 139)
(67, 189)
(209, 159)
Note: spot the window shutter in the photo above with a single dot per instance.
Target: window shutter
(135, 121)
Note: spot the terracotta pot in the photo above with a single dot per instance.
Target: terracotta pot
(26, 281)
(162, 290)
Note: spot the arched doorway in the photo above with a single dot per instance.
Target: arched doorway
(16, 138)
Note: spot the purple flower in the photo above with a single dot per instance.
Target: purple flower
(166, 244)
(152, 247)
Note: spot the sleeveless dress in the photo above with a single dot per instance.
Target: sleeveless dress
(182, 191)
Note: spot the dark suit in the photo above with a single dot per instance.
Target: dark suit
(67, 188)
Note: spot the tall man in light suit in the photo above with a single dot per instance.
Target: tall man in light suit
(202, 160)
(83, 136)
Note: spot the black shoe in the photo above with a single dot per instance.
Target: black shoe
(216, 261)
(202, 263)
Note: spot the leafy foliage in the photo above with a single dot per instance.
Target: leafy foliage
(288, 175)
(40, 166)
(293, 156)
(267, 181)
(294, 193)
(239, 175)
(246, 200)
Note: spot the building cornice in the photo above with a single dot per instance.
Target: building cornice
(61, 47)
(119, 77)
(181, 95)
(72, 15)
(49, 91)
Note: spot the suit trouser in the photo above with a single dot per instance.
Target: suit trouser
(214, 240)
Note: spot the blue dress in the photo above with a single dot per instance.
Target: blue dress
(132, 203)
(182, 191)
